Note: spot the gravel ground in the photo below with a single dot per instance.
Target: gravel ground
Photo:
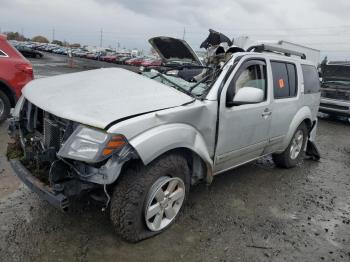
(254, 213)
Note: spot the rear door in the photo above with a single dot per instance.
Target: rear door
(286, 102)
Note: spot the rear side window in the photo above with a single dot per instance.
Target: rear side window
(2, 53)
(311, 80)
(285, 82)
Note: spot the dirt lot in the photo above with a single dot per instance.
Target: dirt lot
(253, 213)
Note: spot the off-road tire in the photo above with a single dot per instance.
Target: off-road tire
(7, 107)
(130, 195)
(284, 159)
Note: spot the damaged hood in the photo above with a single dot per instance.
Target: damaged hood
(172, 49)
(100, 97)
(214, 39)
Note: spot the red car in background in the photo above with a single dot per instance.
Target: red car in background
(135, 61)
(109, 58)
(151, 62)
(15, 73)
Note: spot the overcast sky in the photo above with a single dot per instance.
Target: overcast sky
(321, 24)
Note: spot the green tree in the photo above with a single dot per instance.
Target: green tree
(75, 45)
(40, 39)
(15, 36)
(57, 42)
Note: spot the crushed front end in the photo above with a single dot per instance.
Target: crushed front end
(60, 159)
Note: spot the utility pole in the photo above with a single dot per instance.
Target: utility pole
(22, 33)
(101, 37)
(184, 34)
(53, 34)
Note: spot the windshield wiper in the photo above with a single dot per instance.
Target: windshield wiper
(176, 86)
(180, 67)
(203, 80)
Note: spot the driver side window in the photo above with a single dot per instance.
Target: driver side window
(252, 76)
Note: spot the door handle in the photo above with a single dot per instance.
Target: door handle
(266, 113)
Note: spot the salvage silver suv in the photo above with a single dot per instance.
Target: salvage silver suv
(139, 141)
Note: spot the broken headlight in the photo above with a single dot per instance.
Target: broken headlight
(91, 145)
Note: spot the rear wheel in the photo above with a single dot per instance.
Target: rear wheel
(148, 199)
(5, 107)
(294, 153)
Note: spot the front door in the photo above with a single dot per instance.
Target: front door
(244, 130)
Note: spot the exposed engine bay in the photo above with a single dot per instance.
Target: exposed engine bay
(38, 137)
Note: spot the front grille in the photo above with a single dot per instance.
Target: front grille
(44, 133)
(335, 94)
(52, 134)
(334, 106)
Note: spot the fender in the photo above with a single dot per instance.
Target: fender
(156, 141)
(300, 116)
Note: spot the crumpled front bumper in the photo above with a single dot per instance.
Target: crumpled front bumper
(55, 198)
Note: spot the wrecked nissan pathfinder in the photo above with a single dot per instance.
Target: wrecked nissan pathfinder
(138, 142)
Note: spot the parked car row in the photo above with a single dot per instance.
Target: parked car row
(26, 49)
(30, 49)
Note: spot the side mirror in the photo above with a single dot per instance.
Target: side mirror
(247, 95)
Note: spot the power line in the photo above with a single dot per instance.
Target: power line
(101, 37)
(53, 34)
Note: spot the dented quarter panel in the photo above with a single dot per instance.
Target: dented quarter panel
(191, 126)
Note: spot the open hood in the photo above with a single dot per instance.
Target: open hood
(99, 97)
(173, 49)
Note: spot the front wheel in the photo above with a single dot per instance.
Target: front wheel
(148, 199)
(294, 153)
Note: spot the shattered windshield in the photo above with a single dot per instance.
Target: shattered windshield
(182, 68)
(194, 82)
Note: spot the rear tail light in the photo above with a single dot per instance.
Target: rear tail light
(25, 68)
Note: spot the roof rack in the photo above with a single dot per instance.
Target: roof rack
(275, 49)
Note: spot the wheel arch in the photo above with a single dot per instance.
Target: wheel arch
(304, 115)
(4, 87)
(176, 138)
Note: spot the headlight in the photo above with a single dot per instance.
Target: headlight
(173, 72)
(91, 145)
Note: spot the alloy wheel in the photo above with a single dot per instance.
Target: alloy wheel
(164, 202)
(297, 144)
